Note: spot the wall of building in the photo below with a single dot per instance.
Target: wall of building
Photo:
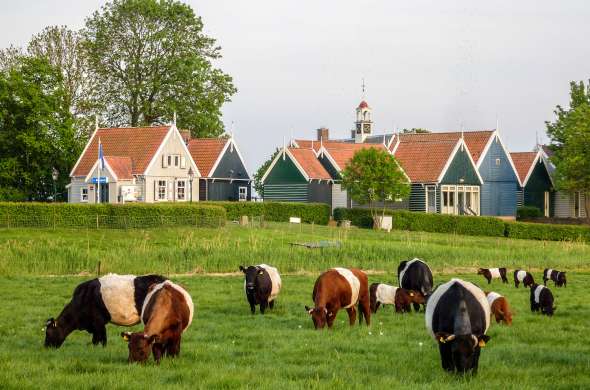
(417, 200)
(534, 192)
(230, 166)
(224, 190)
(319, 192)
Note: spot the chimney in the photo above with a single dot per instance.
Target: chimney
(323, 133)
(186, 135)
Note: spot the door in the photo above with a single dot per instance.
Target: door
(461, 203)
(546, 204)
(104, 193)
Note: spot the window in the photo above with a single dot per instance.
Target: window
(84, 194)
(242, 194)
(161, 190)
(176, 161)
(181, 190)
(169, 160)
(431, 199)
(497, 162)
(460, 200)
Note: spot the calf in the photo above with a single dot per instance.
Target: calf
(415, 275)
(458, 317)
(166, 313)
(499, 308)
(523, 277)
(493, 273)
(111, 298)
(262, 284)
(542, 299)
(558, 277)
(340, 288)
(383, 294)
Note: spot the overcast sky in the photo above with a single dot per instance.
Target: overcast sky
(433, 64)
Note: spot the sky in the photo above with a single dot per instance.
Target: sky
(440, 65)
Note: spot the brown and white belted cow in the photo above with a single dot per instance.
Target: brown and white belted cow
(167, 312)
(340, 288)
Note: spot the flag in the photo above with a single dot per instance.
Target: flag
(100, 155)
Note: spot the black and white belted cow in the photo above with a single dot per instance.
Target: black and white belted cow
(542, 300)
(111, 298)
(415, 275)
(458, 317)
(558, 277)
(523, 277)
(262, 284)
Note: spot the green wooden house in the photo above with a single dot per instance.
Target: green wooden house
(537, 189)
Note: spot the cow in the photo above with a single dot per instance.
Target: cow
(384, 294)
(111, 298)
(262, 284)
(166, 313)
(523, 277)
(415, 275)
(340, 288)
(542, 299)
(458, 317)
(499, 307)
(558, 277)
(493, 273)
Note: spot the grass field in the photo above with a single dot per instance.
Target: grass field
(226, 347)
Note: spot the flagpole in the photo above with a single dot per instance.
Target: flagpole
(98, 178)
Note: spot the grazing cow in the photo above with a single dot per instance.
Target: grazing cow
(499, 307)
(340, 288)
(384, 294)
(166, 313)
(111, 298)
(493, 273)
(458, 317)
(523, 277)
(558, 277)
(415, 275)
(262, 285)
(542, 299)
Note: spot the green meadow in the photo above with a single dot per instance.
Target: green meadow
(227, 347)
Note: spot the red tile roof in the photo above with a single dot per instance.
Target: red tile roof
(523, 161)
(121, 166)
(137, 143)
(363, 104)
(205, 151)
(424, 161)
(308, 161)
(342, 152)
(307, 144)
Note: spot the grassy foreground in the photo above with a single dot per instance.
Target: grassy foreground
(226, 347)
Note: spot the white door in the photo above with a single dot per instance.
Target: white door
(338, 196)
(546, 204)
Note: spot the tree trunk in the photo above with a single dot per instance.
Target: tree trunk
(587, 206)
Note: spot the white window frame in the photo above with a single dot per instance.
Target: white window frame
(169, 160)
(469, 192)
(427, 189)
(177, 160)
(178, 192)
(245, 198)
(159, 186)
(546, 203)
(84, 197)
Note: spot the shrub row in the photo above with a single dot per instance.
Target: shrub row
(109, 215)
(318, 213)
(528, 212)
(467, 225)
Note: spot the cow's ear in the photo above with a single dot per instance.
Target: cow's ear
(483, 340)
(242, 269)
(153, 339)
(308, 309)
(126, 336)
(411, 293)
(443, 337)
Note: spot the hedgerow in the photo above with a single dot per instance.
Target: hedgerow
(318, 213)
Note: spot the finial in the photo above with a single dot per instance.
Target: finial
(174, 118)
(284, 148)
(231, 137)
(363, 87)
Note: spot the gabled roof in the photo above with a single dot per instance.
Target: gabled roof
(206, 152)
(308, 161)
(424, 161)
(525, 164)
(120, 166)
(340, 153)
(139, 144)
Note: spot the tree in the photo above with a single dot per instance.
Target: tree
(36, 130)
(149, 59)
(570, 137)
(258, 186)
(415, 131)
(373, 175)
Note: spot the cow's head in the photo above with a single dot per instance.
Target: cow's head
(464, 349)
(319, 316)
(54, 334)
(140, 345)
(480, 271)
(417, 297)
(251, 273)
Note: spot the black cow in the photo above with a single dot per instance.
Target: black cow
(523, 277)
(415, 275)
(458, 317)
(262, 284)
(558, 277)
(542, 299)
(112, 298)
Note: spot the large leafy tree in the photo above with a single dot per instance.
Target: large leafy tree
(570, 137)
(372, 176)
(149, 59)
(36, 130)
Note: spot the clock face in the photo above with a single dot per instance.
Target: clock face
(358, 128)
(367, 127)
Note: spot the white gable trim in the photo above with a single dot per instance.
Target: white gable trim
(284, 152)
(106, 165)
(486, 148)
(538, 157)
(229, 142)
(460, 142)
(509, 157)
(83, 152)
(271, 166)
(397, 142)
(171, 131)
(216, 163)
(299, 167)
(324, 151)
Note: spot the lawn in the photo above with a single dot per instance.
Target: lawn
(227, 347)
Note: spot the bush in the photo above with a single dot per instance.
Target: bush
(318, 213)
(538, 231)
(437, 223)
(137, 215)
(528, 212)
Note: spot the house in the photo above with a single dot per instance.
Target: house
(536, 183)
(141, 164)
(223, 171)
(296, 175)
(566, 204)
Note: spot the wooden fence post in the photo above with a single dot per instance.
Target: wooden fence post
(97, 221)
(98, 270)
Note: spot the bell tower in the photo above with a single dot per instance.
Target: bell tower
(364, 120)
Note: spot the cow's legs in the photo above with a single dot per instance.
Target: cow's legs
(516, 283)
(99, 335)
(271, 304)
(158, 351)
(263, 305)
(173, 347)
(416, 307)
(446, 357)
(351, 315)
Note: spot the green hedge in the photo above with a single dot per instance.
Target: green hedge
(541, 231)
(109, 215)
(528, 212)
(318, 213)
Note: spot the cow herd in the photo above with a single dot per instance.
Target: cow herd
(457, 313)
